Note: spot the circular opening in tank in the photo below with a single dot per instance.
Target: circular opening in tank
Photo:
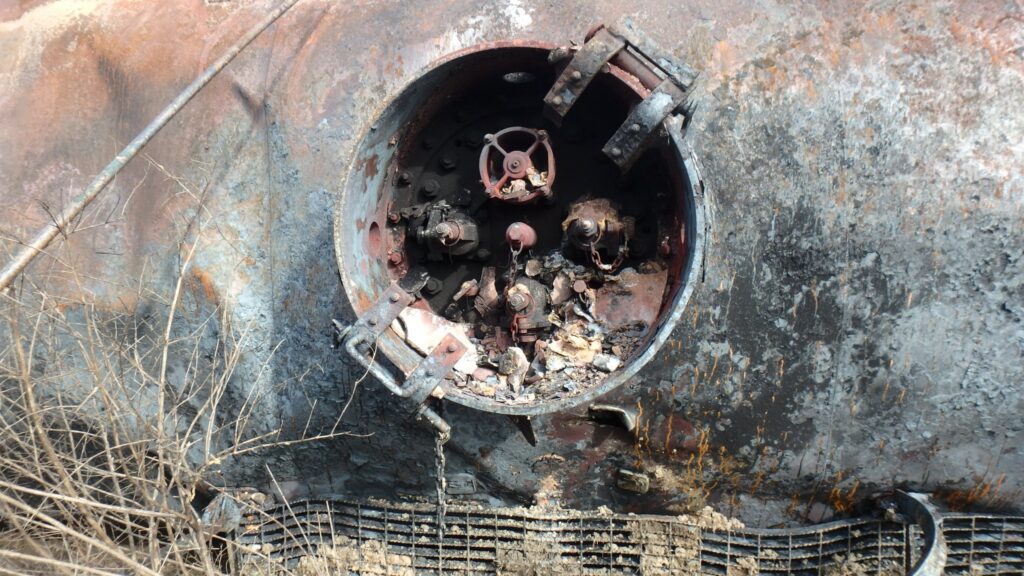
(561, 274)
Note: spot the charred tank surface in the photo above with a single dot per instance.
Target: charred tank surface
(553, 273)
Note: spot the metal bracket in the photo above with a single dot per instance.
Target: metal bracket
(627, 47)
(384, 311)
(580, 72)
(646, 118)
(429, 373)
(427, 376)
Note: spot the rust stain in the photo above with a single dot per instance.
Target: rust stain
(370, 166)
(637, 297)
(202, 280)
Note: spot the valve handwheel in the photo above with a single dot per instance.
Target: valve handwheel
(524, 164)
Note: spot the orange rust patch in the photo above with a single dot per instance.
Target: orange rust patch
(202, 280)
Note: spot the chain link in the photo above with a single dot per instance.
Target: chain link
(442, 483)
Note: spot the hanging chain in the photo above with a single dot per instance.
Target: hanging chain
(514, 265)
(442, 483)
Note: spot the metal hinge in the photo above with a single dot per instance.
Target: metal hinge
(358, 338)
(624, 46)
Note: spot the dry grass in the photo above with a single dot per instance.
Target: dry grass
(112, 422)
(109, 428)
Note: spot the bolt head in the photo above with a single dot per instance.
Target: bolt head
(372, 321)
(576, 75)
(557, 101)
(518, 301)
(616, 152)
(586, 227)
(431, 188)
(634, 128)
(433, 286)
(393, 298)
(451, 348)
(444, 230)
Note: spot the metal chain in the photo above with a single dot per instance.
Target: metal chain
(442, 483)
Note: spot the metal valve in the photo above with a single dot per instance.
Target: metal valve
(517, 165)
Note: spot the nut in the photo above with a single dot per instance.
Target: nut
(586, 228)
(518, 301)
(445, 230)
(433, 286)
(431, 188)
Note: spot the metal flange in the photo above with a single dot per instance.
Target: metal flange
(418, 385)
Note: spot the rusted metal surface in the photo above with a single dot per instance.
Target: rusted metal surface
(665, 78)
(520, 236)
(600, 233)
(680, 72)
(917, 507)
(857, 323)
(435, 367)
(634, 297)
(644, 121)
(580, 72)
(41, 241)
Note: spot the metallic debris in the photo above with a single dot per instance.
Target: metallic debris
(631, 481)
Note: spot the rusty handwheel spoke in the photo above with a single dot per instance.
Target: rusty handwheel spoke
(497, 146)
